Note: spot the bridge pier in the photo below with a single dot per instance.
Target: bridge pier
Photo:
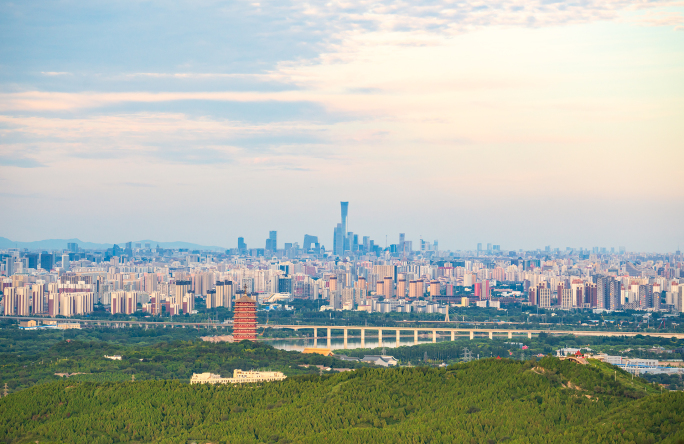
(434, 336)
(398, 338)
(345, 338)
(329, 338)
(472, 335)
(415, 336)
(491, 335)
(453, 336)
(510, 335)
(379, 337)
(363, 338)
(315, 337)
(529, 334)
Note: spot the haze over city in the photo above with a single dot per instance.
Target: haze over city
(524, 124)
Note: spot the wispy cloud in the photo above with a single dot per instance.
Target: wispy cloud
(20, 161)
(136, 184)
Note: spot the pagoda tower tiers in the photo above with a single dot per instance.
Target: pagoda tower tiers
(244, 319)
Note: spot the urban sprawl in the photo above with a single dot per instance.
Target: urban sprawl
(357, 274)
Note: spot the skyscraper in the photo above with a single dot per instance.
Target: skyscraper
(272, 241)
(345, 210)
(340, 232)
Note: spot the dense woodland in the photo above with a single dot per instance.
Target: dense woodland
(485, 401)
(162, 360)
(33, 357)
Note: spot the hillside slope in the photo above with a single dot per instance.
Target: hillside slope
(484, 401)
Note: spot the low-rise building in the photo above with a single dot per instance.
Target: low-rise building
(381, 360)
(239, 377)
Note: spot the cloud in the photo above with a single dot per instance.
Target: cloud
(20, 161)
(136, 184)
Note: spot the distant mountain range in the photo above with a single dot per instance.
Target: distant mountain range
(61, 244)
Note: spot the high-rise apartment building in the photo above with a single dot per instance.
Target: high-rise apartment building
(38, 301)
(544, 295)
(388, 284)
(182, 289)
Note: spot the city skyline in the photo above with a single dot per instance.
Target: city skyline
(526, 124)
(341, 241)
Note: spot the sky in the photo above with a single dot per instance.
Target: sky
(519, 123)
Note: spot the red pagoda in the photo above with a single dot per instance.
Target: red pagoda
(244, 319)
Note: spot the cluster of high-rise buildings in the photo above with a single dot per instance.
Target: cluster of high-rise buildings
(397, 278)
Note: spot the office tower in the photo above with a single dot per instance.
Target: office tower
(9, 266)
(309, 241)
(242, 246)
(489, 247)
(47, 261)
(340, 232)
(72, 247)
(479, 246)
(272, 241)
(477, 290)
(345, 208)
(361, 283)
(402, 240)
(338, 240)
(65, 261)
(366, 243)
(31, 260)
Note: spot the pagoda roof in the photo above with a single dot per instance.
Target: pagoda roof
(245, 298)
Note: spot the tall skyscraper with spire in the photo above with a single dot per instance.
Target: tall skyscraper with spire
(339, 235)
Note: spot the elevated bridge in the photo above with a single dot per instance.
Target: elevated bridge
(377, 333)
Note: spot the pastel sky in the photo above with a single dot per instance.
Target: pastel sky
(520, 123)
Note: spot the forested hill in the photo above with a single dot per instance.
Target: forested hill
(176, 360)
(486, 401)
